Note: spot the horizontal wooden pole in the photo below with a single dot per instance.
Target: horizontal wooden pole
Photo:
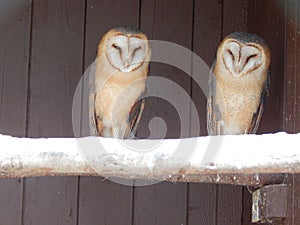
(252, 160)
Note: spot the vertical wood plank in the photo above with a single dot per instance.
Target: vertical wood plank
(291, 82)
(161, 20)
(164, 203)
(51, 200)
(234, 16)
(14, 44)
(247, 207)
(15, 20)
(56, 66)
(297, 39)
(229, 205)
(293, 203)
(202, 204)
(291, 122)
(202, 198)
(104, 202)
(207, 36)
(104, 15)
(11, 201)
(266, 18)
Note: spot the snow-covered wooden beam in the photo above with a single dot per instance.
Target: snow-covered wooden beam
(245, 159)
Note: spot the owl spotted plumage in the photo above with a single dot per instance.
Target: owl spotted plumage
(238, 85)
(119, 82)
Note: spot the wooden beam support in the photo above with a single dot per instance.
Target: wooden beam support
(239, 160)
(269, 204)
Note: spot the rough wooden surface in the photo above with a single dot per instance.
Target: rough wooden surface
(15, 21)
(266, 19)
(104, 202)
(51, 89)
(56, 60)
(229, 197)
(291, 84)
(206, 37)
(234, 16)
(293, 206)
(204, 213)
(291, 109)
(157, 202)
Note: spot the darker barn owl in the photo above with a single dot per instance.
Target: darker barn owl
(238, 85)
(115, 105)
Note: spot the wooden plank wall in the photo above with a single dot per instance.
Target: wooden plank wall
(291, 108)
(56, 67)
(267, 19)
(15, 25)
(45, 46)
(279, 23)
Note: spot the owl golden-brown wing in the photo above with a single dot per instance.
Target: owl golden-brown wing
(261, 108)
(135, 116)
(96, 126)
(215, 124)
(93, 130)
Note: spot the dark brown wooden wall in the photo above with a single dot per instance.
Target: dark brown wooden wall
(46, 45)
(278, 22)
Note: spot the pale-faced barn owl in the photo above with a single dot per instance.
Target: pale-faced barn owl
(238, 85)
(115, 105)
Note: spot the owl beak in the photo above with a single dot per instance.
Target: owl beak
(238, 69)
(127, 62)
(235, 71)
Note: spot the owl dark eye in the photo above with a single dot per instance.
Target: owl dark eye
(249, 57)
(116, 47)
(138, 48)
(231, 54)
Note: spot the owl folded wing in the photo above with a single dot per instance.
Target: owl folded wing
(94, 123)
(135, 115)
(215, 124)
(261, 108)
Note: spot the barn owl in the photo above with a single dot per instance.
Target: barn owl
(121, 69)
(238, 85)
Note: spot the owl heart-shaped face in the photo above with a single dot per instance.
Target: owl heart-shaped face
(126, 53)
(242, 58)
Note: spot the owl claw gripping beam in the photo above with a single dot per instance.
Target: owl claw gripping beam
(119, 82)
(238, 85)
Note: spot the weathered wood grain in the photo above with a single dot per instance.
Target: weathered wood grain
(165, 203)
(202, 198)
(15, 21)
(56, 67)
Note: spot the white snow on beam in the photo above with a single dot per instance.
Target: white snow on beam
(269, 153)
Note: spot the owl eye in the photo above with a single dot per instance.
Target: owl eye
(116, 47)
(249, 57)
(136, 49)
(231, 54)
